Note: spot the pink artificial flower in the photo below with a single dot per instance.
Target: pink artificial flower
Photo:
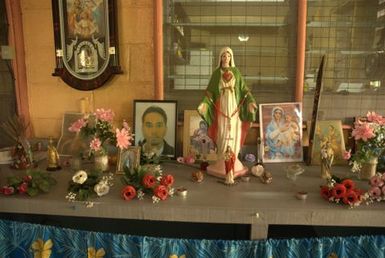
(95, 144)
(383, 190)
(189, 159)
(347, 154)
(180, 159)
(77, 126)
(123, 138)
(27, 178)
(104, 115)
(375, 118)
(375, 192)
(376, 181)
(362, 131)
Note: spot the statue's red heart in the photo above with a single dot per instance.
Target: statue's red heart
(227, 76)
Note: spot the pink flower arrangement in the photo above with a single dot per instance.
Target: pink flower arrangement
(147, 180)
(99, 127)
(369, 133)
(377, 189)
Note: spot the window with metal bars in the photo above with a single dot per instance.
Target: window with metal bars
(262, 35)
(351, 34)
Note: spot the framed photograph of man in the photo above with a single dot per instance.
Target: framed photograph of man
(155, 126)
(129, 158)
(195, 137)
(281, 131)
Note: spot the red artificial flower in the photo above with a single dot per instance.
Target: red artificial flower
(350, 197)
(349, 184)
(149, 181)
(338, 191)
(128, 193)
(23, 188)
(161, 192)
(7, 190)
(167, 180)
(325, 192)
(27, 178)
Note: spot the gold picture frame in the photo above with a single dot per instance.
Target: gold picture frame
(195, 138)
(129, 157)
(332, 130)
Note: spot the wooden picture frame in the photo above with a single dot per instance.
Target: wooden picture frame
(281, 132)
(86, 42)
(195, 139)
(155, 124)
(331, 129)
(129, 158)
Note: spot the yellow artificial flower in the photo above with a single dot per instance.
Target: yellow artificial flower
(41, 249)
(176, 256)
(92, 253)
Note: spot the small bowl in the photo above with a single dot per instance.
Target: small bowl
(301, 195)
(181, 191)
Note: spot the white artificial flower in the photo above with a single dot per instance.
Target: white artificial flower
(140, 194)
(171, 191)
(155, 199)
(356, 167)
(80, 177)
(101, 188)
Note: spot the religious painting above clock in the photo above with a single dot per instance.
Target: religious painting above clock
(86, 42)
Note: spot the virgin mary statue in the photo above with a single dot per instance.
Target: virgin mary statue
(228, 108)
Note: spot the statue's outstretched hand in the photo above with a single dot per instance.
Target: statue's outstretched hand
(202, 109)
(252, 107)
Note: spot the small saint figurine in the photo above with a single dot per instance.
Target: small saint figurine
(53, 160)
(327, 157)
(229, 166)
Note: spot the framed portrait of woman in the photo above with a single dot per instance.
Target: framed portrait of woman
(281, 132)
(195, 137)
(155, 126)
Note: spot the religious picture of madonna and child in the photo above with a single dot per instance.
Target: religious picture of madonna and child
(281, 131)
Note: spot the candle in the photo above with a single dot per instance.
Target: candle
(84, 105)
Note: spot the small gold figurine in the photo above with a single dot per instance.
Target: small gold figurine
(327, 157)
(53, 160)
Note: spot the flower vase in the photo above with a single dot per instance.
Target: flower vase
(368, 169)
(101, 162)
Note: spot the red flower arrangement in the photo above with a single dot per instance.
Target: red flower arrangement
(33, 183)
(147, 180)
(342, 191)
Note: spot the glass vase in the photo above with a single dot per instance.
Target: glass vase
(368, 169)
(101, 162)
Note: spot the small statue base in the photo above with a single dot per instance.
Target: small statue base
(218, 169)
(53, 168)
